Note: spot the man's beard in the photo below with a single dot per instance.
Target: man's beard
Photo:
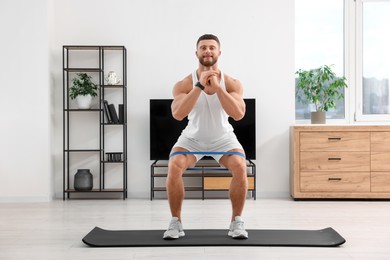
(208, 63)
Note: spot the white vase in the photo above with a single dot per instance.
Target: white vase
(84, 102)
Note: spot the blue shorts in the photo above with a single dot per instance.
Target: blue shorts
(225, 144)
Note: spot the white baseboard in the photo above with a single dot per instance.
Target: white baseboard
(146, 195)
(21, 199)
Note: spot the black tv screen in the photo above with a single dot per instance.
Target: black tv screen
(164, 129)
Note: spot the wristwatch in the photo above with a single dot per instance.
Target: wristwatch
(199, 85)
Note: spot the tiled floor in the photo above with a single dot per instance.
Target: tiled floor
(54, 230)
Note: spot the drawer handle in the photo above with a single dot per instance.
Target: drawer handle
(334, 159)
(334, 179)
(334, 138)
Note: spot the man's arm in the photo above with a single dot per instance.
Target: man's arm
(184, 98)
(231, 98)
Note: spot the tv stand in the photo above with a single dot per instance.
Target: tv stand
(207, 176)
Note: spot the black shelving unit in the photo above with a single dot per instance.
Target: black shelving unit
(101, 55)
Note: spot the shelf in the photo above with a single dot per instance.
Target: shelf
(83, 70)
(112, 162)
(112, 124)
(223, 175)
(96, 190)
(82, 150)
(82, 110)
(200, 175)
(199, 164)
(205, 168)
(112, 86)
(184, 175)
(185, 188)
(195, 189)
(93, 47)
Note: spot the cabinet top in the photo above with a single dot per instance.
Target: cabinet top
(341, 127)
(94, 47)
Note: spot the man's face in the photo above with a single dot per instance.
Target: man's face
(208, 52)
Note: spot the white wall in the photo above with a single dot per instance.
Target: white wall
(24, 126)
(257, 47)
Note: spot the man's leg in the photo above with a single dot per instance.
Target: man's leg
(239, 185)
(237, 191)
(175, 190)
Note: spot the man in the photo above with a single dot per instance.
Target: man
(208, 97)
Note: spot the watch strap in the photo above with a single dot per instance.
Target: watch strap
(199, 85)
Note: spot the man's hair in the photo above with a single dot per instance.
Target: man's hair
(208, 37)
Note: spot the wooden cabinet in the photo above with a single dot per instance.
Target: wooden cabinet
(340, 162)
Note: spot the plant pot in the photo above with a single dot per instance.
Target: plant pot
(83, 180)
(84, 102)
(318, 117)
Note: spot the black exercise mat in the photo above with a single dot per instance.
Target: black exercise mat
(327, 237)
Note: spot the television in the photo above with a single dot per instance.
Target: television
(165, 130)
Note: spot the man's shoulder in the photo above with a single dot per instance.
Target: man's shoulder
(230, 80)
(185, 82)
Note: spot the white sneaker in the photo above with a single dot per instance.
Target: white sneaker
(237, 229)
(175, 230)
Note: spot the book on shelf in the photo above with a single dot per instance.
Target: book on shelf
(107, 112)
(121, 113)
(113, 114)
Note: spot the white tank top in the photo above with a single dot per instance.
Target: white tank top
(208, 121)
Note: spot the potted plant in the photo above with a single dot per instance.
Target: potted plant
(83, 89)
(322, 88)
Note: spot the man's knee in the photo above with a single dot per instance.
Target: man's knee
(177, 165)
(237, 165)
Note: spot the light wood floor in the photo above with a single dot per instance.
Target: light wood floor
(54, 230)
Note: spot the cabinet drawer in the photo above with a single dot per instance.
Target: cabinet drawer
(380, 141)
(380, 181)
(335, 182)
(223, 183)
(335, 161)
(380, 161)
(335, 141)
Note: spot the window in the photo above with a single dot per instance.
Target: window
(320, 29)
(319, 40)
(373, 59)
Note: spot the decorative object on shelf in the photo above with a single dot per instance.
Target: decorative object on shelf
(83, 89)
(83, 180)
(322, 88)
(114, 157)
(112, 79)
(84, 102)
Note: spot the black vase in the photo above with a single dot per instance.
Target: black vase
(83, 180)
